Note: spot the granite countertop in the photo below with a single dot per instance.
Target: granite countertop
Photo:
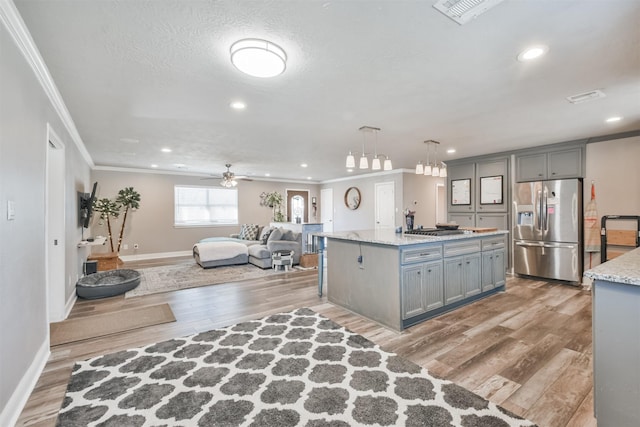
(391, 238)
(623, 269)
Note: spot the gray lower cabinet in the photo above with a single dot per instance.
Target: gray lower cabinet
(462, 276)
(422, 288)
(493, 269)
(464, 220)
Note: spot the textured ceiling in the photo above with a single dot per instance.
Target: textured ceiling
(158, 72)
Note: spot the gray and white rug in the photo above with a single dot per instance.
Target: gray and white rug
(290, 369)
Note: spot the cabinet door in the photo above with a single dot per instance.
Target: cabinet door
(565, 164)
(413, 297)
(453, 275)
(531, 167)
(471, 276)
(499, 221)
(499, 267)
(487, 271)
(458, 172)
(492, 169)
(434, 286)
(464, 220)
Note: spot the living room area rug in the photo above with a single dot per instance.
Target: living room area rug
(190, 275)
(98, 325)
(290, 369)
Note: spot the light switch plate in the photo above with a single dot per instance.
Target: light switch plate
(11, 210)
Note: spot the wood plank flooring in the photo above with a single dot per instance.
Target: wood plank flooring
(528, 349)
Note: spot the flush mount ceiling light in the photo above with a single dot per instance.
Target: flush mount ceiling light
(532, 53)
(364, 160)
(463, 11)
(238, 105)
(258, 58)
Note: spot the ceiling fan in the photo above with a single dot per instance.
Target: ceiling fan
(229, 178)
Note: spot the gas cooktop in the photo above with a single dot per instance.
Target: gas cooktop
(433, 232)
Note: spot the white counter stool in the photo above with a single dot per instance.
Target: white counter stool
(282, 258)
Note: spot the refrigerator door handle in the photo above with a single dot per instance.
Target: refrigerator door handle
(545, 211)
(544, 245)
(539, 209)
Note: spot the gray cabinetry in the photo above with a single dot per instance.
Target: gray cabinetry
(494, 264)
(550, 165)
(422, 288)
(456, 173)
(461, 270)
(489, 170)
(463, 219)
(499, 221)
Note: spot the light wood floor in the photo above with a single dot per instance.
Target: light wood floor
(528, 349)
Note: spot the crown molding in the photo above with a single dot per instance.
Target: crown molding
(16, 27)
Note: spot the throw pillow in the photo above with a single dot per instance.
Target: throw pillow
(276, 234)
(288, 235)
(264, 236)
(249, 232)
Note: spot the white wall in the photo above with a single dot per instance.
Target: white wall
(613, 167)
(25, 111)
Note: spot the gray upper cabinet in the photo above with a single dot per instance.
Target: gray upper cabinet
(488, 174)
(461, 187)
(552, 165)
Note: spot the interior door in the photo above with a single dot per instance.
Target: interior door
(55, 228)
(385, 205)
(326, 209)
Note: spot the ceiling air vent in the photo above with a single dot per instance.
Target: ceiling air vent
(587, 96)
(462, 11)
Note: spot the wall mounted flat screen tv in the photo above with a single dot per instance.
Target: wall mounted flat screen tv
(85, 203)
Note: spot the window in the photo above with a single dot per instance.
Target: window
(202, 206)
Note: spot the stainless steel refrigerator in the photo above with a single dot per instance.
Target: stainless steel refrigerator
(548, 229)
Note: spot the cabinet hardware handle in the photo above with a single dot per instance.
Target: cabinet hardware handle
(418, 273)
(460, 265)
(429, 270)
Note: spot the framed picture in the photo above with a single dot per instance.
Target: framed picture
(491, 190)
(352, 198)
(461, 191)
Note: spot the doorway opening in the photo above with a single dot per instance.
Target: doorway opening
(297, 206)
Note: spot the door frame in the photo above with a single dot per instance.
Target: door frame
(289, 194)
(326, 209)
(55, 229)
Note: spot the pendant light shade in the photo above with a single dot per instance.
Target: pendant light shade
(351, 161)
(364, 162)
(419, 169)
(387, 164)
(435, 171)
(375, 164)
(427, 170)
(443, 171)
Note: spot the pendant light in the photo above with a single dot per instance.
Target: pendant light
(376, 161)
(435, 171)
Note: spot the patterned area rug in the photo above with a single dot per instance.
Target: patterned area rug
(182, 276)
(290, 369)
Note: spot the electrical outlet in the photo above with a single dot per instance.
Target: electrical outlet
(125, 246)
(136, 246)
(360, 259)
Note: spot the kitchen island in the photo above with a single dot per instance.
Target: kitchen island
(616, 340)
(399, 280)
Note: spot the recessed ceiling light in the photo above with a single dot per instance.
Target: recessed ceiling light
(258, 58)
(166, 150)
(451, 150)
(154, 166)
(303, 165)
(532, 52)
(614, 119)
(238, 105)
(349, 170)
(267, 174)
(308, 177)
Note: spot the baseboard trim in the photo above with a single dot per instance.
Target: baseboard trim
(157, 255)
(70, 302)
(18, 399)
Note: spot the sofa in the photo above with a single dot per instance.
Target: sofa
(261, 242)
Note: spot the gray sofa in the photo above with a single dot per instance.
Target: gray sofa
(278, 239)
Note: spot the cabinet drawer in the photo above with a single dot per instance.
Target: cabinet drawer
(454, 249)
(424, 253)
(495, 243)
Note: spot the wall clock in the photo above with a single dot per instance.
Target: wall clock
(352, 198)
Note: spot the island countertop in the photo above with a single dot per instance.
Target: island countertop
(391, 238)
(624, 269)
